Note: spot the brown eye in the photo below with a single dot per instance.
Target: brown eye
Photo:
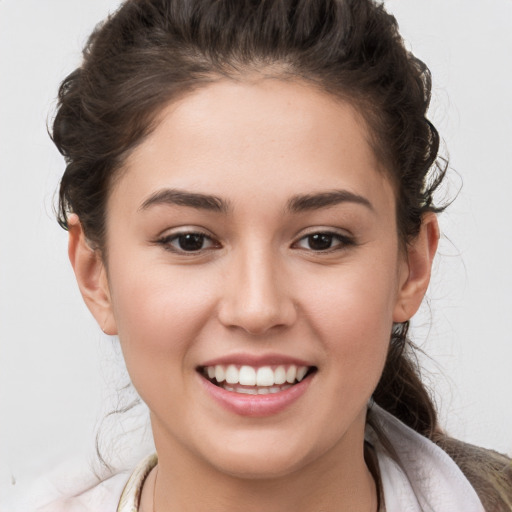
(187, 242)
(190, 242)
(320, 241)
(326, 241)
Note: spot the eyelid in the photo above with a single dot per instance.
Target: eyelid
(184, 229)
(345, 239)
(168, 236)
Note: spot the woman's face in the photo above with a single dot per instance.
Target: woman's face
(253, 235)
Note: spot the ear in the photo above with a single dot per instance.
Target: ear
(91, 276)
(416, 276)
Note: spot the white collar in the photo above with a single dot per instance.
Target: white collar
(425, 479)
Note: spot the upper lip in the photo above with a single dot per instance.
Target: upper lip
(256, 360)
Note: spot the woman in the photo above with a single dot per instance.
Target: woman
(249, 199)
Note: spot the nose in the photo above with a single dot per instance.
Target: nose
(257, 294)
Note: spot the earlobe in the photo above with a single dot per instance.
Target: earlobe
(91, 276)
(414, 283)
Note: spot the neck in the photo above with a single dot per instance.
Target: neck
(338, 480)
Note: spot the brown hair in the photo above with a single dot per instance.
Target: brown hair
(152, 51)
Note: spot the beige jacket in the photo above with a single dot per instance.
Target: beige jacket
(489, 472)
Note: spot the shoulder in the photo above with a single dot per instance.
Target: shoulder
(103, 497)
(416, 474)
(489, 472)
(118, 493)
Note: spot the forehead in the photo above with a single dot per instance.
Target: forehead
(262, 137)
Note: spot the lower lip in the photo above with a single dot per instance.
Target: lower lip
(256, 405)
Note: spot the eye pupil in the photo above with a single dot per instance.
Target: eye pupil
(320, 241)
(191, 242)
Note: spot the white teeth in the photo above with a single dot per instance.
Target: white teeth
(247, 391)
(232, 374)
(291, 374)
(266, 378)
(256, 391)
(301, 372)
(280, 375)
(220, 374)
(247, 376)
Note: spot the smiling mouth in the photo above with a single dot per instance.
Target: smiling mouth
(252, 380)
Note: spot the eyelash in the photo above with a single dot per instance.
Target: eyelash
(167, 240)
(343, 241)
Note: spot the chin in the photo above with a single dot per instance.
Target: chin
(261, 460)
(262, 468)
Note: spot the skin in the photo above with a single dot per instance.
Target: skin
(257, 287)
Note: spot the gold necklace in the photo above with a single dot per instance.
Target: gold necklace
(154, 489)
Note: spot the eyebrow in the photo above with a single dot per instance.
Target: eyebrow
(296, 204)
(302, 203)
(171, 196)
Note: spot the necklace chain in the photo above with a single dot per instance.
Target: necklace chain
(154, 489)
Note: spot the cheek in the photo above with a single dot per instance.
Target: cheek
(357, 298)
(353, 315)
(159, 315)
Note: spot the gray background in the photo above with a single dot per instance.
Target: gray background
(59, 373)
